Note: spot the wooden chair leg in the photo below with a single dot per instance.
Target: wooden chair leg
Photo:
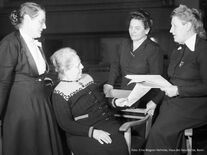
(189, 134)
(127, 136)
(148, 126)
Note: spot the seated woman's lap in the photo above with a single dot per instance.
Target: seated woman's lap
(84, 145)
(171, 122)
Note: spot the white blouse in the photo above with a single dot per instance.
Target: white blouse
(34, 46)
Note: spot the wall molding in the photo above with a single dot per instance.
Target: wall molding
(90, 5)
(91, 16)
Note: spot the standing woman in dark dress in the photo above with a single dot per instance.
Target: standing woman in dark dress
(29, 126)
(185, 103)
(82, 111)
(139, 55)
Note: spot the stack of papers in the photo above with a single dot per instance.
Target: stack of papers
(144, 84)
(152, 81)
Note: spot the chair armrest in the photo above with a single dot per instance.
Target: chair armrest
(188, 132)
(124, 127)
(132, 113)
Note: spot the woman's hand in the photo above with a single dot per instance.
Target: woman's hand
(107, 89)
(150, 108)
(170, 91)
(121, 102)
(102, 136)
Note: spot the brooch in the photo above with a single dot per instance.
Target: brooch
(181, 64)
(179, 48)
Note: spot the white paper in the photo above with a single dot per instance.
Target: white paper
(120, 93)
(131, 95)
(137, 93)
(152, 81)
(143, 84)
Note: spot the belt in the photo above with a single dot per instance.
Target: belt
(41, 78)
(23, 77)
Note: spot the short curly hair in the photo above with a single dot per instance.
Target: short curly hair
(62, 60)
(190, 15)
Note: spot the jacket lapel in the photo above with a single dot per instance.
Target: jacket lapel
(141, 47)
(29, 56)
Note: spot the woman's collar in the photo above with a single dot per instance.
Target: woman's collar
(190, 42)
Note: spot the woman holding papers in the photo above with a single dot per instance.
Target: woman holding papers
(82, 111)
(137, 56)
(185, 104)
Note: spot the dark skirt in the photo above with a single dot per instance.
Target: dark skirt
(167, 133)
(81, 145)
(29, 126)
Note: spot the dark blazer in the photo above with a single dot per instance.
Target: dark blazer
(187, 70)
(15, 59)
(146, 59)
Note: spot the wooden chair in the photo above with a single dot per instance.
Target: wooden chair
(138, 118)
(138, 114)
(141, 119)
(134, 117)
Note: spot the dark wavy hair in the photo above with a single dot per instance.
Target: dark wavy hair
(142, 15)
(190, 15)
(29, 8)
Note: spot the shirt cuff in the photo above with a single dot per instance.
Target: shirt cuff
(113, 102)
(90, 132)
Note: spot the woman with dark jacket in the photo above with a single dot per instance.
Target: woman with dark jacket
(185, 103)
(138, 55)
(29, 127)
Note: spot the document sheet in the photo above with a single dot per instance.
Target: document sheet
(143, 84)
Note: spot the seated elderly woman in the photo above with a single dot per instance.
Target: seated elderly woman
(82, 111)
